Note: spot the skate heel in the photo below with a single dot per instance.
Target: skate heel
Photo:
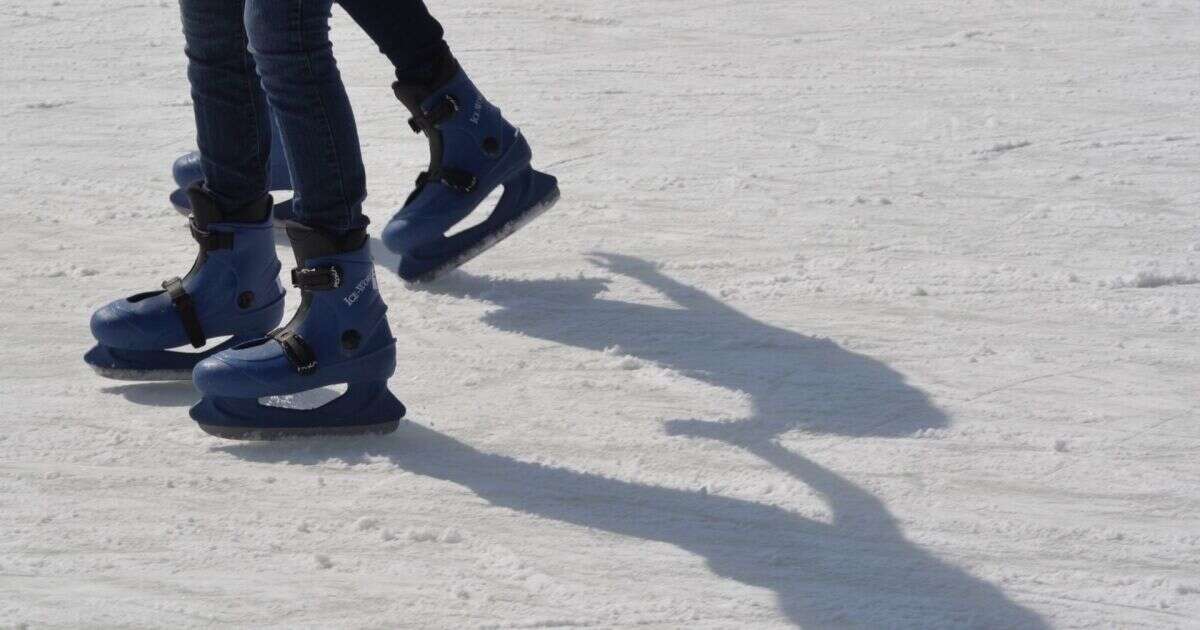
(533, 190)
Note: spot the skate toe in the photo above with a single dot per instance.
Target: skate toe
(115, 325)
(250, 370)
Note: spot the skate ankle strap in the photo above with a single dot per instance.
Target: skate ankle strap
(296, 349)
(432, 118)
(452, 178)
(317, 278)
(186, 308)
(211, 241)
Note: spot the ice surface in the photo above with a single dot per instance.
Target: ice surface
(852, 315)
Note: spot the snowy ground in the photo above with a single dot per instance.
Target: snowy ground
(854, 314)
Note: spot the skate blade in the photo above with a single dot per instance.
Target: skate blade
(152, 376)
(367, 408)
(266, 435)
(482, 246)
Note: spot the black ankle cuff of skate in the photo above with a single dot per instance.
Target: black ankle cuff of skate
(211, 241)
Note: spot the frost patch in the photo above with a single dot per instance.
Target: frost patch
(1153, 280)
(622, 361)
(366, 523)
(1003, 147)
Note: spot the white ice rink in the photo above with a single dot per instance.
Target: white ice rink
(854, 314)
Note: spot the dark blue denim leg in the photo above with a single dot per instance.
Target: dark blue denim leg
(231, 112)
(404, 31)
(290, 43)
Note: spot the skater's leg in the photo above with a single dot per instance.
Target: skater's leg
(290, 44)
(340, 334)
(233, 287)
(405, 32)
(232, 128)
(473, 150)
(186, 170)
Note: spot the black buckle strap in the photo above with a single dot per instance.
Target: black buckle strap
(432, 118)
(454, 179)
(297, 350)
(186, 308)
(211, 240)
(317, 278)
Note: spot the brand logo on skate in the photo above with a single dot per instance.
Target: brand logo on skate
(477, 112)
(359, 288)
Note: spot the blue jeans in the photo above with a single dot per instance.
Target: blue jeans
(230, 45)
(404, 31)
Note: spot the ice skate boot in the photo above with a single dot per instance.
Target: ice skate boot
(186, 170)
(473, 150)
(232, 290)
(339, 336)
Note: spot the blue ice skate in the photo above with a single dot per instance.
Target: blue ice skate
(339, 335)
(232, 289)
(472, 151)
(186, 170)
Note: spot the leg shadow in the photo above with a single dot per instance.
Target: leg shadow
(157, 394)
(858, 570)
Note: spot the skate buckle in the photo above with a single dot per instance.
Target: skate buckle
(297, 350)
(460, 181)
(186, 307)
(317, 278)
(432, 118)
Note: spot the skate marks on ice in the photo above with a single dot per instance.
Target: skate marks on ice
(857, 570)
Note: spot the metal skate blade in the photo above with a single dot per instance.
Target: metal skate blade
(118, 374)
(504, 232)
(367, 408)
(264, 435)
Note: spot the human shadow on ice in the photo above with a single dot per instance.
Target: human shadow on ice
(856, 570)
(157, 393)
